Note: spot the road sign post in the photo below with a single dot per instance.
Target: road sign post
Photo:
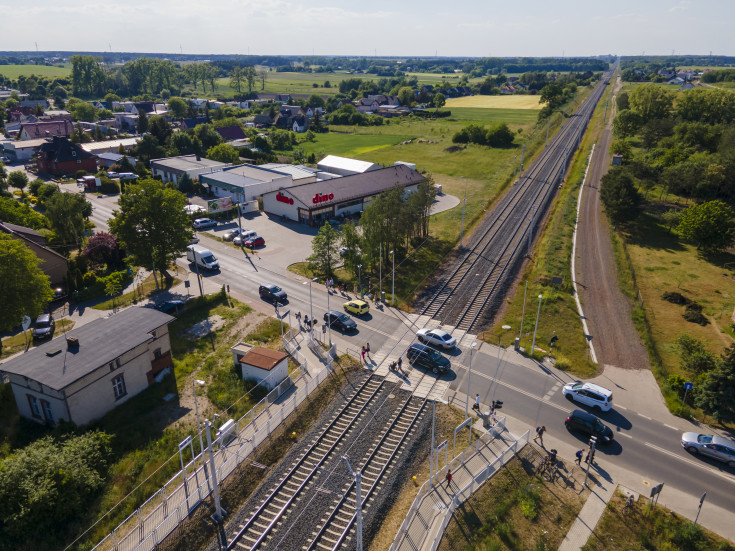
(699, 509)
(655, 491)
(687, 388)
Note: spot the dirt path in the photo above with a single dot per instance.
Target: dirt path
(606, 309)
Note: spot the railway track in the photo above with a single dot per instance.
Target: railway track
(258, 529)
(476, 281)
(337, 527)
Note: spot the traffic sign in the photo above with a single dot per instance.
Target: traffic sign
(26, 322)
(657, 489)
(688, 386)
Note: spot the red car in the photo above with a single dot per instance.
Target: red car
(255, 242)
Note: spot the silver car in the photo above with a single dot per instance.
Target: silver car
(710, 445)
(437, 337)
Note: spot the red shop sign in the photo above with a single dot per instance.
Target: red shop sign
(284, 199)
(319, 198)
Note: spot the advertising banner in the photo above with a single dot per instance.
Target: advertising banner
(219, 205)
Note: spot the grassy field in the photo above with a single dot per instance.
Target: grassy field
(495, 102)
(634, 529)
(352, 145)
(14, 71)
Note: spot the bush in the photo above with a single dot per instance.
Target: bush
(34, 185)
(693, 313)
(108, 186)
(675, 298)
(79, 173)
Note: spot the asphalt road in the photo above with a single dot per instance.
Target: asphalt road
(531, 393)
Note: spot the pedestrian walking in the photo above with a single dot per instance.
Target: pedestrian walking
(400, 364)
(363, 353)
(578, 456)
(367, 349)
(306, 321)
(590, 457)
(298, 318)
(540, 435)
(477, 402)
(449, 477)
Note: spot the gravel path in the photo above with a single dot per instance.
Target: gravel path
(606, 309)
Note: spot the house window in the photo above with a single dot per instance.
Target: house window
(33, 403)
(47, 412)
(157, 353)
(118, 387)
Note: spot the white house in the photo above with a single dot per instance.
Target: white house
(22, 150)
(266, 366)
(91, 370)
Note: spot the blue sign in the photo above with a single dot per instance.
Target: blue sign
(688, 386)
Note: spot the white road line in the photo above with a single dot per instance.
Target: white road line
(520, 391)
(672, 428)
(624, 434)
(702, 466)
(644, 416)
(620, 407)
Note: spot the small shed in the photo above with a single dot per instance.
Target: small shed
(262, 364)
(617, 159)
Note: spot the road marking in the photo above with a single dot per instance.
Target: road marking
(702, 466)
(645, 416)
(519, 390)
(672, 428)
(619, 406)
(625, 434)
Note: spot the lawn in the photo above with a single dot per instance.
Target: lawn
(484, 114)
(496, 102)
(516, 509)
(351, 145)
(634, 529)
(14, 71)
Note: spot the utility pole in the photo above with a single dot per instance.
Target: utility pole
(590, 455)
(523, 151)
(461, 227)
(548, 125)
(533, 344)
(213, 470)
(433, 422)
(358, 502)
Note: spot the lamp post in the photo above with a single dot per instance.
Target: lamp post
(213, 470)
(497, 367)
(538, 313)
(380, 270)
(469, 376)
(393, 280)
(358, 503)
(359, 278)
(194, 384)
(311, 310)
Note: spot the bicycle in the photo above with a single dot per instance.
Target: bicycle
(628, 507)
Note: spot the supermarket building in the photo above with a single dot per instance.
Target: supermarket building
(315, 202)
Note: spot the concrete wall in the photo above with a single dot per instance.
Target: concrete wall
(278, 208)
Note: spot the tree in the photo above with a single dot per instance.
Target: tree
(237, 78)
(142, 122)
(710, 225)
(67, 212)
(224, 153)
(716, 394)
(160, 128)
(82, 110)
(552, 94)
(207, 135)
(178, 108)
(324, 246)
(186, 184)
(439, 100)
(619, 195)
(183, 143)
(24, 288)
(152, 225)
(3, 178)
(48, 484)
(249, 74)
(405, 95)
(626, 124)
(621, 147)
(622, 100)
(651, 102)
(102, 248)
(499, 136)
(263, 76)
(316, 100)
(351, 240)
(18, 179)
(148, 148)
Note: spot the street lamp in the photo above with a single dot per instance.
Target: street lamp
(533, 345)
(359, 278)
(194, 384)
(497, 367)
(469, 375)
(311, 310)
(393, 279)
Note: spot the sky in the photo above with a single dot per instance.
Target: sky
(473, 28)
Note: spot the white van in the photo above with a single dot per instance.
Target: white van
(589, 394)
(202, 257)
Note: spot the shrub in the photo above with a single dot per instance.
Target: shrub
(79, 173)
(693, 313)
(563, 363)
(675, 298)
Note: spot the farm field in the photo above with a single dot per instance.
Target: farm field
(496, 102)
(14, 71)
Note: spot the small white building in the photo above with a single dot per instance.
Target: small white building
(345, 166)
(18, 151)
(264, 365)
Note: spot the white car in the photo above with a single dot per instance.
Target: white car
(204, 223)
(244, 236)
(437, 337)
(589, 394)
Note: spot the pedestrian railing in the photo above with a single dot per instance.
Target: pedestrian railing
(417, 528)
(163, 511)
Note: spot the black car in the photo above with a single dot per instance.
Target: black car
(170, 306)
(586, 422)
(339, 320)
(427, 358)
(272, 293)
(43, 327)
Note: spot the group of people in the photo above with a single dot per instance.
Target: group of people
(308, 323)
(365, 351)
(397, 366)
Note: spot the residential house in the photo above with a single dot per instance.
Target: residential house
(384, 99)
(55, 115)
(286, 116)
(52, 263)
(230, 133)
(171, 169)
(60, 156)
(263, 120)
(300, 124)
(35, 130)
(366, 105)
(83, 375)
(110, 146)
(126, 121)
(33, 103)
(18, 151)
(687, 86)
(190, 124)
(106, 160)
(676, 80)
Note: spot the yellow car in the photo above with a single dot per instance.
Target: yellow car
(358, 307)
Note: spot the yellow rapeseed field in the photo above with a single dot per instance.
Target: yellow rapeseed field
(495, 102)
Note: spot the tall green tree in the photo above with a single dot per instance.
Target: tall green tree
(177, 107)
(142, 122)
(237, 78)
(405, 95)
(716, 394)
(651, 102)
(710, 225)
(152, 225)
(67, 213)
(325, 253)
(224, 153)
(619, 196)
(250, 76)
(24, 288)
(18, 179)
(351, 240)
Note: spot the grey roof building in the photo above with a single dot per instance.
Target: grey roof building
(81, 376)
(171, 169)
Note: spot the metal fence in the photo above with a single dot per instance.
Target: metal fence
(409, 538)
(164, 510)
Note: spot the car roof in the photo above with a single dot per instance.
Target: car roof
(421, 347)
(720, 441)
(268, 285)
(582, 414)
(43, 317)
(597, 388)
(358, 302)
(337, 313)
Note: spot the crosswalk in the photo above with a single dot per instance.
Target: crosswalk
(421, 384)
